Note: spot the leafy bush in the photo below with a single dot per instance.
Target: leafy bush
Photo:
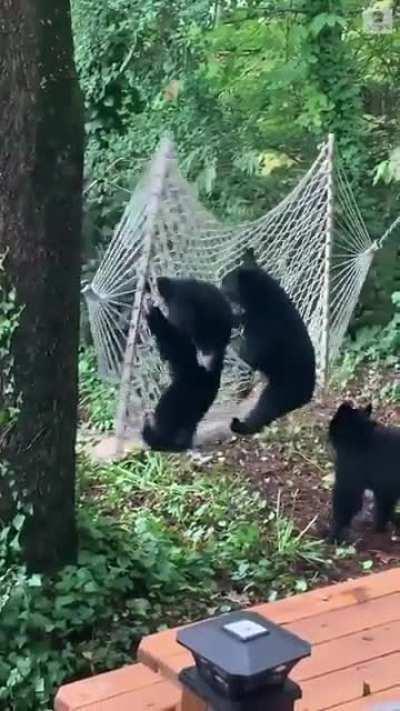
(88, 617)
(378, 345)
(160, 543)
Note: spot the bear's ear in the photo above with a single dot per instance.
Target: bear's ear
(368, 409)
(249, 259)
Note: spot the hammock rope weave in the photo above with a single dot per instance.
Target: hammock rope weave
(314, 242)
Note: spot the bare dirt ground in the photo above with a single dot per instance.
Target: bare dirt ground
(292, 463)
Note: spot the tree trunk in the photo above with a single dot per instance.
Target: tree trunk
(41, 155)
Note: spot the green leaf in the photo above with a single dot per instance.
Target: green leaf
(65, 600)
(18, 521)
(367, 565)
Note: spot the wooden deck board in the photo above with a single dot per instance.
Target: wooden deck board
(160, 696)
(291, 610)
(349, 684)
(131, 687)
(341, 623)
(369, 702)
(349, 651)
(354, 628)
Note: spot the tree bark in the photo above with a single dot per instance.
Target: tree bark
(41, 156)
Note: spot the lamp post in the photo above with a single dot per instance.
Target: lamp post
(242, 662)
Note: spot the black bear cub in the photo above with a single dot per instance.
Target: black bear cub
(275, 342)
(367, 457)
(199, 319)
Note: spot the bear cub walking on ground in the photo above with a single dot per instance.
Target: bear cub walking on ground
(275, 342)
(367, 457)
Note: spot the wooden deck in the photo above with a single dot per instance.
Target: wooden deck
(354, 628)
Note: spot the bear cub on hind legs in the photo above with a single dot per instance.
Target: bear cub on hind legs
(275, 342)
(192, 340)
(188, 397)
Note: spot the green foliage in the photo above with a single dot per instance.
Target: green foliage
(12, 510)
(388, 170)
(89, 617)
(9, 318)
(160, 543)
(336, 77)
(129, 54)
(377, 345)
(237, 83)
(231, 81)
(211, 511)
(97, 399)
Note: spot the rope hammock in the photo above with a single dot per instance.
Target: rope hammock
(314, 242)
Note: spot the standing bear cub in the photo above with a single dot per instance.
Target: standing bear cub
(367, 457)
(275, 342)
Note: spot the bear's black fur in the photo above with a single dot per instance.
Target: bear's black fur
(275, 342)
(191, 392)
(200, 310)
(367, 457)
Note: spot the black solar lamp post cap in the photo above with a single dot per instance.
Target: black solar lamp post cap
(242, 657)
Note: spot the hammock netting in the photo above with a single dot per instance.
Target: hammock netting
(314, 242)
